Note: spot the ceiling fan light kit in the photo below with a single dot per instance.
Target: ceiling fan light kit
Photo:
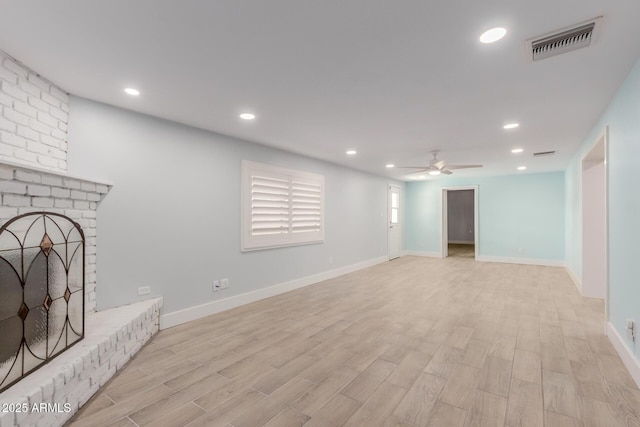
(437, 167)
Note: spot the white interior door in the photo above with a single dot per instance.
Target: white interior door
(394, 223)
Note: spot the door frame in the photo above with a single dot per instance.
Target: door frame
(444, 231)
(400, 218)
(604, 137)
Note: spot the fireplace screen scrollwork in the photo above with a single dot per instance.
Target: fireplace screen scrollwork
(41, 291)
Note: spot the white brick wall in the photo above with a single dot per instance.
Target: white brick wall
(34, 114)
(112, 338)
(24, 189)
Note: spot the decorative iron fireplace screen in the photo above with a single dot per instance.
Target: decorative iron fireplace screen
(41, 291)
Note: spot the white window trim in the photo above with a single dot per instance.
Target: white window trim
(285, 215)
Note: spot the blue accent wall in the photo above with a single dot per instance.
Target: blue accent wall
(519, 216)
(623, 118)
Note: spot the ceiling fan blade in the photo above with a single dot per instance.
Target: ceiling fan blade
(446, 172)
(439, 164)
(463, 166)
(422, 171)
(411, 167)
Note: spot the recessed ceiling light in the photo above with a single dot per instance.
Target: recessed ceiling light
(493, 35)
(351, 152)
(247, 116)
(131, 91)
(511, 125)
(391, 165)
(434, 173)
(521, 168)
(517, 150)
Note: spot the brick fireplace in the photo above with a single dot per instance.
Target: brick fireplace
(112, 336)
(34, 115)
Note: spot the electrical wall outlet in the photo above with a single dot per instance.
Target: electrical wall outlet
(144, 290)
(631, 330)
(224, 283)
(216, 285)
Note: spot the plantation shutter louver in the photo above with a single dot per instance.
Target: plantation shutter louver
(281, 207)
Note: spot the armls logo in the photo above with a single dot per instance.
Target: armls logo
(51, 407)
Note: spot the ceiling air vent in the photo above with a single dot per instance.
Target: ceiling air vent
(544, 153)
(576, 37)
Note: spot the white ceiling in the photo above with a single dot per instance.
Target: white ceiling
(391, 79)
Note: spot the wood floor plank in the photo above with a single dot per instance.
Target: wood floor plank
(409, 369)
(525, 407)
(335, 412)
(527, 366)
(626, 401)
(503, 346)
(368, 380)
(461, 386)
(98, 403)
(280, 376)
(554, 359)
(598, 414)
(327, 365)
(288, 418)
(460, 336)
(444, 361)
(122, 409)
(178, 417)
(321, 393)
(615, 371)
(417, 404)
(393, 421)
(495, 376)
(123, 422)
(528, 340)
(161, 408)
(413, 342)
(224, 413)
(378, 407)
(589, 382)
(560, 394)
(550, 334)
(446, 415)
(553, 419)
(475, 353)
(486, 410)
(271, 405)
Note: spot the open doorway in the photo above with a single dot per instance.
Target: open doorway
(460, 222)
(595, 265)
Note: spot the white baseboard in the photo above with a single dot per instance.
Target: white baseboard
(630, 361)
(192, 313)
(526, 261)
(574, 278)
(462, 242)
(423, 253)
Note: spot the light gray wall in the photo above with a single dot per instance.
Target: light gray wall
(460, 226)
(621, 117)
(519, 216)
(172, 219)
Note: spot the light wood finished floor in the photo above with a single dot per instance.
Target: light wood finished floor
(413, 342)
(457, 250)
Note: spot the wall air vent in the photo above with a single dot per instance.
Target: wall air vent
(556, 43)
(544, 153)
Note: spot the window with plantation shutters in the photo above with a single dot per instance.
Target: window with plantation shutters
(281, 207)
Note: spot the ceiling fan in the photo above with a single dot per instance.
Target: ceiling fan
(436, 167)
